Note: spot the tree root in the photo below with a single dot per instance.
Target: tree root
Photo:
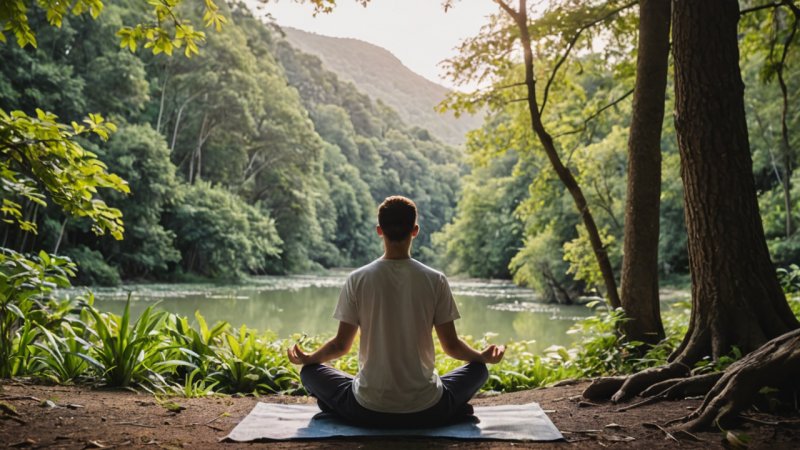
(676, 388)
(624, 388)
(683, 387)
(603, 388)
(776, 363)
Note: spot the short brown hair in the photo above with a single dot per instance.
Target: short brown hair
(397, 216)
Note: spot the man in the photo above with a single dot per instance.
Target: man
(396, 301)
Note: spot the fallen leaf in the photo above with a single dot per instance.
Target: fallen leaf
(614, 426)
(618, 438)
(736, 441)
(95, 444)
(8, 409)
(48, 404)
(172, 407)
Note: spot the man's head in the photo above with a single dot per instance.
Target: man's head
(397, 218)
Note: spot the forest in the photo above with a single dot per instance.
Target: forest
(295, 161)
(627, 146)
(248, 158)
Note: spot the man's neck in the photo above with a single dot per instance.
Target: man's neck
(400, 250)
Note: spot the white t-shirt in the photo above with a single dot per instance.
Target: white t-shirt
(396, 303)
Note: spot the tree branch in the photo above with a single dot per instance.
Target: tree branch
(509, 10)
(595, 115)
(571, 45)
(787, 3)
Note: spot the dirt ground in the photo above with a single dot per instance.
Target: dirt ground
(39, 416)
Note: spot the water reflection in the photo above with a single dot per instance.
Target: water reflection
(304, 304)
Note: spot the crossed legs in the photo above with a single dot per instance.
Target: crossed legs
(334, 392)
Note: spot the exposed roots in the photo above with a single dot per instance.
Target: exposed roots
(775, 364)
(603, 388)
(683, 387)
(622, 388)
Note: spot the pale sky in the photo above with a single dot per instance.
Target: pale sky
(418, 32)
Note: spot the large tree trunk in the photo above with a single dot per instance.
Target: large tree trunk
(736, 300)
(639, 286)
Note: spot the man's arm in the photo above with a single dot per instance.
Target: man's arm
(458, 349)
(338, 346)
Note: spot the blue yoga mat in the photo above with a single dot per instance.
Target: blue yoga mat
(276, 422)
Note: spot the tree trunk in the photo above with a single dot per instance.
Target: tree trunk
(520, 17)
(736, 299)
(639, 285)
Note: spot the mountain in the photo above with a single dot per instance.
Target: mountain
(379, 74)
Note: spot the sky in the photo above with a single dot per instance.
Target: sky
(418, 32)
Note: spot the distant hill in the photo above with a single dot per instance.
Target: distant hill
(379, 74)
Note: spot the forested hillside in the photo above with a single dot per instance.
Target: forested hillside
(382, 76)
(251, 157)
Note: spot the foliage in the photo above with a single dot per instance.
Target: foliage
(789, 278)
(154, 34)
(218, 235)
(123, 352)
(92, 268)
(41, 157)
(485, 234)
(247, 363)
(26, 284)
(139, 154)
(59, 359)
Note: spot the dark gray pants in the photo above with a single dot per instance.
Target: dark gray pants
(334, 392)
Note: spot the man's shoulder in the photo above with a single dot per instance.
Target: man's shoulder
(427, 269)
(363, 270)
(377, 266)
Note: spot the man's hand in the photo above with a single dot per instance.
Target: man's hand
(297, 355)
(493, 354)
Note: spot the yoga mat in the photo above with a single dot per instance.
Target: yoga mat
(276, 422)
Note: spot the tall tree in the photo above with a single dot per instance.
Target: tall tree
(639, 285)
(520, 19)
(736, 299)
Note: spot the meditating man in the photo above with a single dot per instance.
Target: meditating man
(397, 302)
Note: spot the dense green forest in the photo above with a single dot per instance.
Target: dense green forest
(253, 157)
(248, 158)
(514, 217)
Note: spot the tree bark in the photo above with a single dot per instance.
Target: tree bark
(639, 285)
(736, 299)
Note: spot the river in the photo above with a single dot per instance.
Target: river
(304, 304)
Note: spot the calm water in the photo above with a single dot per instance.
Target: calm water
(304, 304)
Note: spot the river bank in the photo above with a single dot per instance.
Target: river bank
(78, 418)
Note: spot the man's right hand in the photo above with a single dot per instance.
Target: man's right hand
(493, 354)
(297, 355)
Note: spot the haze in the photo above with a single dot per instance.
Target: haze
(418, 32)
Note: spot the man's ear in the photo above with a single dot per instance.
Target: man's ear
(379, 230)
(415, 231)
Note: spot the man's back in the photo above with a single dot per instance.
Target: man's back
(396, 303)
